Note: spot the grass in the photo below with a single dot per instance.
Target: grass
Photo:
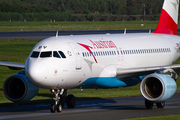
(83, 25)
(165, 117)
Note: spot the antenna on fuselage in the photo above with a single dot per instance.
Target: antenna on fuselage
(150, 31)
(125, 31)
(56, 34)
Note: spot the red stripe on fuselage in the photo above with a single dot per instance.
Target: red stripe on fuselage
(166, 24)
(88, 48)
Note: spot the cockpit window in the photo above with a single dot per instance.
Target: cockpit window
(55, 54)
(35, 54)
(62, 54)
(46, 54)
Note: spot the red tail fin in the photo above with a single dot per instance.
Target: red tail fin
(169, 18)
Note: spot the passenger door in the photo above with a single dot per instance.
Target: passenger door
(77, 56)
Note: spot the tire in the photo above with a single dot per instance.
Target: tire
(160, 104)
(59, 108)
(148, 104)
(52, 108)
(70, 101)
(62, 101)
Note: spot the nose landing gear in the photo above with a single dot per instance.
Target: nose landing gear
(61, 98)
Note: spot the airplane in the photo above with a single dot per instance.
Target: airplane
(104, 61)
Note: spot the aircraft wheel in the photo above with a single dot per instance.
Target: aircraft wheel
(53, 108)
(62, 101)
(70, 101)
(59, 108)
(160, 104)
(148, 104)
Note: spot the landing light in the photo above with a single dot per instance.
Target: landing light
(52, 90)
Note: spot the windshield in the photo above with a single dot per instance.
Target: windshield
(35, 54)
(62, 54)
(46, 54)
(55, 54)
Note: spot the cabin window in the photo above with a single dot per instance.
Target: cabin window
(94, 53)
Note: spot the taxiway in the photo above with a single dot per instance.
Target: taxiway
(96, 109)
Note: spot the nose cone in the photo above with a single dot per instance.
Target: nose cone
(37, 73)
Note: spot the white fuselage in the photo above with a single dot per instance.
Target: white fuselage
(86, 56)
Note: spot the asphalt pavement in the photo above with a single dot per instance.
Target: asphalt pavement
(95, 109)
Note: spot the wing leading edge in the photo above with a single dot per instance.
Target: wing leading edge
(13, 66)
(173, 70)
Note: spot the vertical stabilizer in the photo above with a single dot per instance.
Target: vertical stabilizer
(169, 18)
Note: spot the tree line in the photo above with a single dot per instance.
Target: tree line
(61, 10)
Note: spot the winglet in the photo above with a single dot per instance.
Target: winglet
(169, 18)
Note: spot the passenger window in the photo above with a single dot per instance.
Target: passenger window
(103, 53)
(94, 54)
(55, 54)
(35, 54)
(62, 54)
(46, 54)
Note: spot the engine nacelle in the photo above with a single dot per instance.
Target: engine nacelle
(158, 87)
(17, 88)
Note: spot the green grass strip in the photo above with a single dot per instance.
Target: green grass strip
(165, 117)
(83, 25)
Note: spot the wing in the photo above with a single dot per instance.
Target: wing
(13, 66)
(135, 72)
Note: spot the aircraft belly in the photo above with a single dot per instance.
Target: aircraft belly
(108, 82)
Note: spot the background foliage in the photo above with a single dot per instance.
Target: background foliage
(79, 10)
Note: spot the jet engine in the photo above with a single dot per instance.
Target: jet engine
(158, 87)
(17, 88)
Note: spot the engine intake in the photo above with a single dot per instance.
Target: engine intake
(17, 88)
(158, 87)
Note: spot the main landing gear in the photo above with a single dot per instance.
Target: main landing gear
(149, 104)
(60, 97)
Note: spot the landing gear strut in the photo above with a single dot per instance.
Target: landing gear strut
(60, 97)
(149, 104)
